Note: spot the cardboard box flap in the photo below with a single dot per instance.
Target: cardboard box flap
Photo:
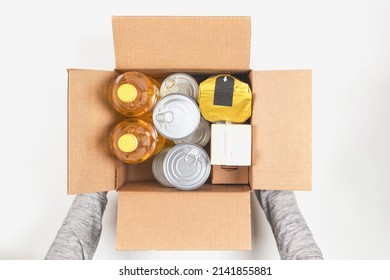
(281, 130)
(182, 42)
(91, 167)
(153, 217)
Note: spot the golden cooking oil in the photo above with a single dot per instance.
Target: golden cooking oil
(134, 140)
(133, 94)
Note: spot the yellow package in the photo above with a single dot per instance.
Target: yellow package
(225, 98)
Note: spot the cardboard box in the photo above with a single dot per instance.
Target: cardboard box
(229, 174)
(215, 217)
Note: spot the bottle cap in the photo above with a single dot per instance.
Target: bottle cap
(127, 93)
(127, 143)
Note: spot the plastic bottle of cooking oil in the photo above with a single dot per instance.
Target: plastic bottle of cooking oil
(135, 140)
(133, 94)
(162, 142)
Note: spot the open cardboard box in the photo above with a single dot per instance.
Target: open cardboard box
(214, 217)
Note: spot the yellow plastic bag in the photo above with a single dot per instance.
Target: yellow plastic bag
(225, 98)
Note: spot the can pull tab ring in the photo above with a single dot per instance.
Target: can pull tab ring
(192, 156)
(165, 117)
(170, 85)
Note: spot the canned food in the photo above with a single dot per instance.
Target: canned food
(157, 168)
(201, 136)
(176, 116)
(180, 83)
(186, 166)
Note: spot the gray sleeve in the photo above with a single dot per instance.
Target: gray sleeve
(79, 235)
(293, 237)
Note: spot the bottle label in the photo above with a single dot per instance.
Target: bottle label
(224, 87)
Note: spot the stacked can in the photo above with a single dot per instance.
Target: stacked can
(180, 83)
(185, 167)
(176, 116)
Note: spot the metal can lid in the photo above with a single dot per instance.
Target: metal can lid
(180, 83)
(200, 137)
(176, 116)
(158, 168)
(187, 166)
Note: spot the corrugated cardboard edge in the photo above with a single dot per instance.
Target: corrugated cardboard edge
(67, 134)
(152, 218)
(281, 130)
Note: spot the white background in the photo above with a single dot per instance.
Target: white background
(346, 44)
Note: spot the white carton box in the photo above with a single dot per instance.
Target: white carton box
(231, 144)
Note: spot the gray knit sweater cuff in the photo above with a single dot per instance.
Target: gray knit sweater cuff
(293, 237)
(79, 235)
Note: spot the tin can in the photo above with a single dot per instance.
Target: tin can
(201, 136)
(180, 83)
(176, 116)
(157, 168)
(186, 166)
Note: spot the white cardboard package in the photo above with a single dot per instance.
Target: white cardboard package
(231, 144)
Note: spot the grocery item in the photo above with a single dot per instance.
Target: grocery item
(180, 83)
(133, 94)
(158, 168)
(201, 136)
(135, 140)
(186, 166)
(176, 116)
(231, 144)
(225, 98)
